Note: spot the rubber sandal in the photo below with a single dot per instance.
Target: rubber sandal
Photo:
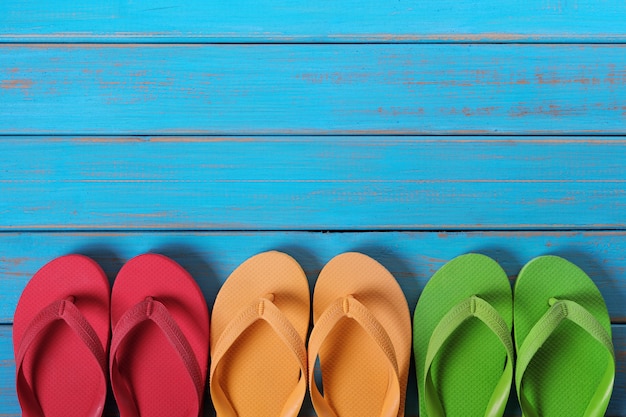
(362, 335)
(260, 321)
(160, 343)
(60, 336)
(462, 339)
(565, 359)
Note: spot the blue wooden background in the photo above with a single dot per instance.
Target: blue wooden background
(411, 131)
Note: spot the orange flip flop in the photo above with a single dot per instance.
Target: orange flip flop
(159, 349)
(362, 335)
(259, 324)
(60, 336)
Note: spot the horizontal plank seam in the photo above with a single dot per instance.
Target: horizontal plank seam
(147, 136)
(4, 230)
(37, 40)
(321, 135)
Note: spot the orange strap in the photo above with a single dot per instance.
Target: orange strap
(261, 309)
(350, 307)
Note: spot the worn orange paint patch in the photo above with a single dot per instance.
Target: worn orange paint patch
(17, 84)
(13, 261)
(167, 139)
(550, 110)
(443, 37)
(554, 80)
(480, 111)
(204, 139)
(96, 139)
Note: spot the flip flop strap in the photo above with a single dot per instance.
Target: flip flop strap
(471, 307)
(66, 311)
(155, 311)
(350, 307)
(559, 311)
(260, 309)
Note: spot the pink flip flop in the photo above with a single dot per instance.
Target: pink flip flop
(60, 336)
(160, 344)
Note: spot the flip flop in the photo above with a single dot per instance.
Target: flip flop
(260, 321)
(362, 335)
(564, 367)
(160, 343)
(462, 339)
(60, 336)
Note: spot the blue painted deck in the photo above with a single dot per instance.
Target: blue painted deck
(411, 131)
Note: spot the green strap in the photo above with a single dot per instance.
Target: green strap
(471, 307)
(543, 329)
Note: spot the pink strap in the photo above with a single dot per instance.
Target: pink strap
(350, 307)
(260, 309)
(66, 311)
(155, 311)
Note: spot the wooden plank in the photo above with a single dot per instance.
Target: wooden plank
(302, 21)
(312, 183)
(320, 89)
(9, 405)
(411, 257)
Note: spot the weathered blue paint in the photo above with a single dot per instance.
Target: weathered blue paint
(321, 89)
(411, 256)
(320, 21)
(9, 405)
(491, 75)
(312, 183)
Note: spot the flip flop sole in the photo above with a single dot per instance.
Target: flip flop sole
(258, 373)
(470, 363)
(59, 367)
(147, 361)
(355, 373)
(564, 373)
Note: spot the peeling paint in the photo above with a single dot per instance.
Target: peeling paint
(17, 84)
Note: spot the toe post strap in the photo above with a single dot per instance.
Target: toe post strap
(471, 307)
(349, 307)
(559, 311)
(155, 311)
(261, 309)
(67, 312)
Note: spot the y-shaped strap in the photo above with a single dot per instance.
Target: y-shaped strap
(260, 309)
(66, 311)
(155, 311)
(561, 310)
(471, 307)
(350, 307)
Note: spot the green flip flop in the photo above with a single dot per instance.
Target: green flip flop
(462, 340)
(564, 367)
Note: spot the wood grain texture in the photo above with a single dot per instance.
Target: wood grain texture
(322, 21)
(411, 257)
(320, 89)
(181, 128)
(311, 183)
(9, 405)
